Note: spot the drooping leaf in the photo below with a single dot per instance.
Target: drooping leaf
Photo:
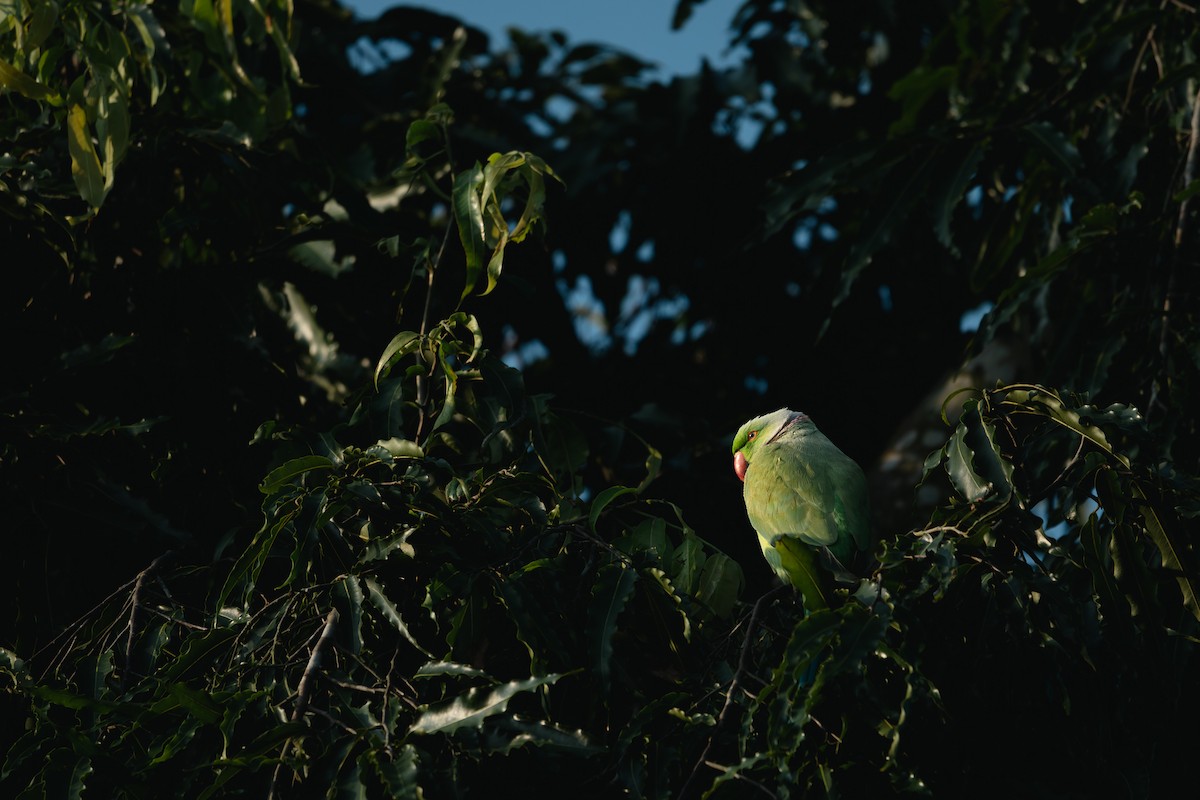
(604, 500)
(284, 474)
(1171, 550)
(13, 79)
(611, 593)
(401, 344)
(85, 164)
(961, 469)
(347, 599)
(468, 215)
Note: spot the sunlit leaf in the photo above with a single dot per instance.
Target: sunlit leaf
(468, 215)
(401, 344)
(471, 708)
(13, 79)
(85, 164)
(285, 473)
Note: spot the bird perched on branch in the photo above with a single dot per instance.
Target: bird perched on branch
(807, 500)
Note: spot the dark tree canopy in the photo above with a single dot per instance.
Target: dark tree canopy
(371, 383)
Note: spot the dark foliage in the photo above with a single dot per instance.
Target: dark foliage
(367, 416)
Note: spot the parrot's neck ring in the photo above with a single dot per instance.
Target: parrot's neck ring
(795, 419)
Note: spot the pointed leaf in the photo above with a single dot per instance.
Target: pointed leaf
(347, 599)
(610, 595)
(85, 164)
(391, 613)
(468, 215)
(285, 473)
(1170, 550)
(1057, 148)
(721, 584)
(15, 80)
(603, 500)
(960, 467)
(401, 344)
(471, 708)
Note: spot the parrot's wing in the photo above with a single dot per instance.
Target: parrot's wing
(788, 499)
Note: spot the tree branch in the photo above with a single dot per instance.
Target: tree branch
(1189, 175)
(135, 606)
(304, 692)
(734, 685)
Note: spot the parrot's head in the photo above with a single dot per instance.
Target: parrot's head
(759, 432)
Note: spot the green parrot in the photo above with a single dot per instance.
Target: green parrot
(807, 500)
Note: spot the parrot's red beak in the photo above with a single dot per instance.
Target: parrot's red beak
(740, 465)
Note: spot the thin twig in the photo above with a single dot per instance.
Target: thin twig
(1137, 62)
(74, 627)
(181, 622)
(135, 606)
(1189, 175)
(757, 785)
(432, 267)
(734, 685)
(304, 692)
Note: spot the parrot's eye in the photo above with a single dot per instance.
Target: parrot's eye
(750, 436)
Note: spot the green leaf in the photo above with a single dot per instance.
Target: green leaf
(471, 708)
(960, 467)
(199, 704)
(41, 23)
(85, 164)
(686, 564)
(1188, 192)
(347, 599)
(198, 652)
(468, 214)
(1044, 402)
(398, 773)
(284, 474)
(1057, 148)
(915, 90)
(15, 80)
(650, 536)
(392, 614)
(65, 773)
(721, 584)
(435, 668)
(515, 731)
(1113, 605)
(610, 594)
(859, 632)
(535, 628)
(951, 193)
(603, 500)
(1170, 550)
(787, 696)
(402, 343)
